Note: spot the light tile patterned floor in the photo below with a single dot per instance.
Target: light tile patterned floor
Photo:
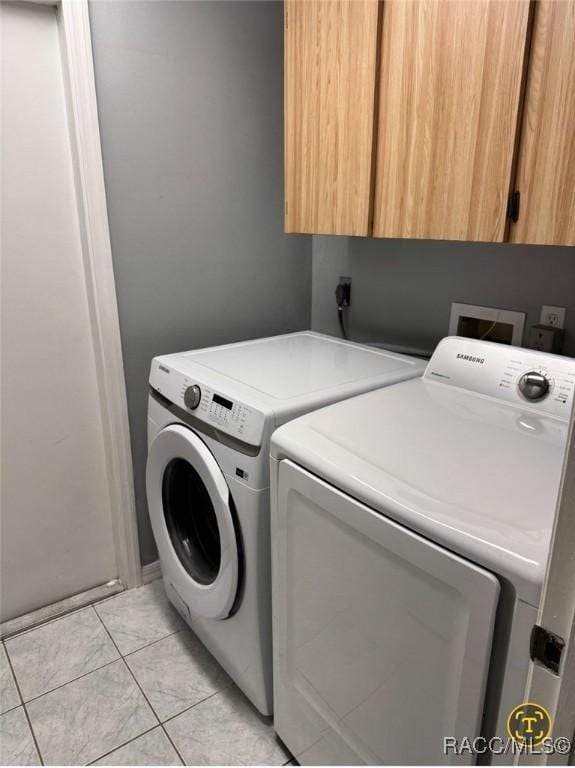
(124, 682)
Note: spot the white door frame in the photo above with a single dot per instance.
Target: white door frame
(78, 66)
(557, 614)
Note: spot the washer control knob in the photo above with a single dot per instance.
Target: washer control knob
(534, 385)
(192, 396)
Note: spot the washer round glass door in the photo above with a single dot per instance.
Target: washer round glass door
(190, 510)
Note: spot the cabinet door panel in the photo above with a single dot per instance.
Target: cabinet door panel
(449, 97)
(330, 77)
(546, 166)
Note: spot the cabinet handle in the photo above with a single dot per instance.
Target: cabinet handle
(513, 206)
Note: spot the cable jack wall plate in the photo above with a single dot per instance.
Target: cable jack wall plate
(489, 323)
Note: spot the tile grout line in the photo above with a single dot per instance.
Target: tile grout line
(20, 702)
(161, 723)
(183, 762)
(153, 642)
(153, 728)
(172, 717)
(23, 703)
(84, 674)
(125, 656)
(73, 680)
(122, 657)
(211, 695)
(176, 750)
(146, 645)
(26, 715)
(197, 703)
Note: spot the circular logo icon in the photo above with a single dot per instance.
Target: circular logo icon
(528, 724)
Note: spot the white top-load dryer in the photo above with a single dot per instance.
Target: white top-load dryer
(410, 534)
(210, 418)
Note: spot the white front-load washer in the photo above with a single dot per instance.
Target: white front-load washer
(410, 534)
(210, 418)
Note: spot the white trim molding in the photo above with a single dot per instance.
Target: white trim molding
(91, 198)
(59, 609)
(151, 572)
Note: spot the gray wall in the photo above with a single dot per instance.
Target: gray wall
(191, 115)
(402, 289)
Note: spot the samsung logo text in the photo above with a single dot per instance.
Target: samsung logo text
(471, 358)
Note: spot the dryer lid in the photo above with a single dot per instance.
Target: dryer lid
(474, 474)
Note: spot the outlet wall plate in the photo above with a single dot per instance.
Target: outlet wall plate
(554, 316)
(546, 338)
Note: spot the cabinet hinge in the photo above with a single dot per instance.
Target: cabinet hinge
(513, 205)
(546, 648)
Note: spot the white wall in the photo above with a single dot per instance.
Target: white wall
(402, 289)
(190, 98)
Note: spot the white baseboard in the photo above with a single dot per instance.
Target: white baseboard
(151, 571)
(56, 610)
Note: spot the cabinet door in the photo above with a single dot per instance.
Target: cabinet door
(546, 166)
(449, 98)
(330, 79)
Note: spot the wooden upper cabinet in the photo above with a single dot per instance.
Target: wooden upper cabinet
(546, 165)
(331, 49)
(449, 99)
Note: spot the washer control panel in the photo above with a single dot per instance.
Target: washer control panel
(230, 416)
(211, 406)
(522, 376)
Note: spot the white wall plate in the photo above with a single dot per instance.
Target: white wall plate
(503, 325)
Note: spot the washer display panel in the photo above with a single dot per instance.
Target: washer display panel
(193, 522)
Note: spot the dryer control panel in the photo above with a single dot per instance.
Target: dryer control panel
(543, 382)
(205, 403)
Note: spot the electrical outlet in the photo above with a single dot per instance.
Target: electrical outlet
(554, 316)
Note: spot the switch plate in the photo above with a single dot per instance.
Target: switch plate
(553, 316)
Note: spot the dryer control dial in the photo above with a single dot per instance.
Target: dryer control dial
(534, 385)
(192, 396)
